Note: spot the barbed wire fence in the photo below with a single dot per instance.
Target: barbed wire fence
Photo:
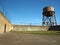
(3, 9)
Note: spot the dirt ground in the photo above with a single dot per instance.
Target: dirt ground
(29, 39)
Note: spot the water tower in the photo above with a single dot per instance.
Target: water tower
(49, 16)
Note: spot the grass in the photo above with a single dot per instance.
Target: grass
(38, 32)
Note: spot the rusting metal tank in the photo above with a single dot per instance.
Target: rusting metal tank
(48, 11)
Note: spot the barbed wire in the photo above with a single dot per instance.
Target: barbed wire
(4, 10)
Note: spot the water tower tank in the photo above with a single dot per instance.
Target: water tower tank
(48, 11)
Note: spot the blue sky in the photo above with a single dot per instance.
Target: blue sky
(29, 11)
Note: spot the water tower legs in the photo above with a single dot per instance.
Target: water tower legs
(49, 21)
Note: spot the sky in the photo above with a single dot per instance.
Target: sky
(28, 11)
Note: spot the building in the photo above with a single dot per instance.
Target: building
(5, 25)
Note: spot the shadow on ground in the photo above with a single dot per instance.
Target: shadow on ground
(54, 28)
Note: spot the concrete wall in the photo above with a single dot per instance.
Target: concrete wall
(5, 25)
(29, 28)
